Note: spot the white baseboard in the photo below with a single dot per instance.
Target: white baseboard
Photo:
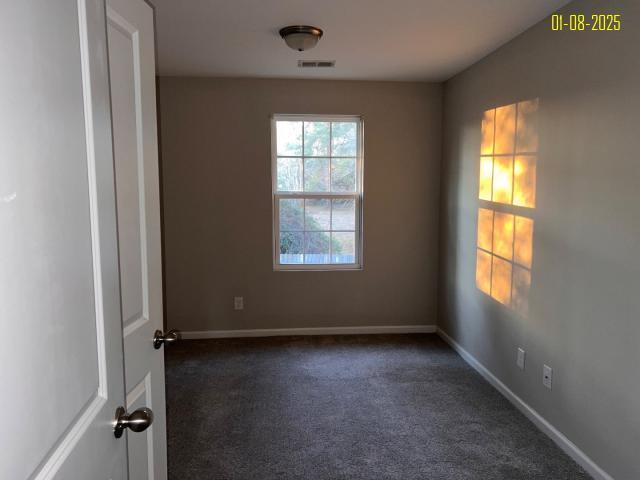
(281, 332)
(563, 442)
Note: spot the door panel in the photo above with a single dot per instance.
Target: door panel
(141, 446)
(61, 371)
(132, 67)
(128, 164)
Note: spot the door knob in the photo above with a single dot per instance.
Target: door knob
(159, 338)
(138, 421)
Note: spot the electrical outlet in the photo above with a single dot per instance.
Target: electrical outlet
(238, 303)
(547, 376)
(520, 360)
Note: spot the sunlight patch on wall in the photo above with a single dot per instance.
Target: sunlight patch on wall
(504, 257)
(507, 190)
(508, 154)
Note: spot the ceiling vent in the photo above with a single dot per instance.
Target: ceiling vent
(316, 63)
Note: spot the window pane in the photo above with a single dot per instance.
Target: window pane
(485, 229)
(483, 271)
(503, 235)
(486, 178)
(344, 139)
(502, 179)
(486, 146)
(505, 136)
(343, 214)
(523, 247)
(316, 138)
(316, 247)
(291, 247)
(289, 174)
(343, 174)
(501, 281)
(524, 176)
(521, 287)
(289, 135)
(317, 214)
(291, 214)
(316, 174)
(527, 135)
(343, 247)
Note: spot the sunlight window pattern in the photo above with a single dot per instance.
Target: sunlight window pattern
(508, 154)
(507, 188)
(317, 177)
(504, 257)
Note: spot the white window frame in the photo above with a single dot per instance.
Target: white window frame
(358, 195)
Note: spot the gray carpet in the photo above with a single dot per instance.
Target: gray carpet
(355, 407)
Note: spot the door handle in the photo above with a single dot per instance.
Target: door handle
(159, 338)
(138, 421)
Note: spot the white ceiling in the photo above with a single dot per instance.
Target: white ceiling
(369, 39)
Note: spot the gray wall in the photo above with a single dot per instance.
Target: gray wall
(584, 316)
(216, 169)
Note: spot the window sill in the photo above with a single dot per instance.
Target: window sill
(318, 268)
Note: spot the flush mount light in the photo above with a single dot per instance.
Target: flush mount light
(301, 37)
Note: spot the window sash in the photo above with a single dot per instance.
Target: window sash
(357, 264)
(339, 156)
(316, 195)
(315, 118)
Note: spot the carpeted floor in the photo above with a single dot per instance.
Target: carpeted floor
(355, 407)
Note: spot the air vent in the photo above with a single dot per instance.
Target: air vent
(316, 63)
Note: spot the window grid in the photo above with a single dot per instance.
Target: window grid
(329, 195)
(492, 253)
(504, 139)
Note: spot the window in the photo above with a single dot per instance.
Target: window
(317, 192)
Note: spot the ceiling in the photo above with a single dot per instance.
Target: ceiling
(424, 40)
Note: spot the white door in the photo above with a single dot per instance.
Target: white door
(61, 358)
(132, 70)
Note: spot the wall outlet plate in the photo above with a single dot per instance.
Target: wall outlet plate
(547, 376)
(521, 358)
(238, 303)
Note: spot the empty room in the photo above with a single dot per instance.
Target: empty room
(320, 239)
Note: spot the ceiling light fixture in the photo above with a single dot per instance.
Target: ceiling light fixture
(301, 37)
